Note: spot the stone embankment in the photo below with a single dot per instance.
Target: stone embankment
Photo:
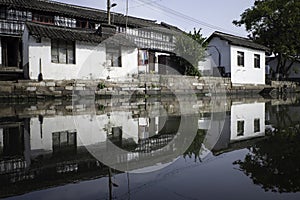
(140, 86)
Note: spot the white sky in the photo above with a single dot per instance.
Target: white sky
(218, 13)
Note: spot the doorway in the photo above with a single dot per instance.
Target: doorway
(11, 54)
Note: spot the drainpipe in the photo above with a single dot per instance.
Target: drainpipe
(40, 77)
(219, 54)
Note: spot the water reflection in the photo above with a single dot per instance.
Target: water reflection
(273, 163)
(47, 145)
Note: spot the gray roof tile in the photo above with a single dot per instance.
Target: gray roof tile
(238, 41)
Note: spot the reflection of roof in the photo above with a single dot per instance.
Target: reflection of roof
(76, 11)
(239, 145)
(238, 41)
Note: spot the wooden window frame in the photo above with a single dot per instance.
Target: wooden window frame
(257, 61)
(63, 46)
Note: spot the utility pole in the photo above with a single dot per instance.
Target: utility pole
(108, 12)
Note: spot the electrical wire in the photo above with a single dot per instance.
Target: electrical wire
(183, 16)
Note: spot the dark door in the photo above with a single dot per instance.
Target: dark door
(151, 61)
(10, 52)
(162, 63)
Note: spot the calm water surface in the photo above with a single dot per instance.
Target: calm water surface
(234, 148)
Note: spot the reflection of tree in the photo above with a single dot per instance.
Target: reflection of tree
(274, 163)
(285, 117)
(195, 148)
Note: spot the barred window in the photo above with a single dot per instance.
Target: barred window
(62, 51)
(64, 21)
(19, 15)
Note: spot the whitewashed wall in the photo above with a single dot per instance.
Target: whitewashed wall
(90, 61)
(247, 74)
(247, 113)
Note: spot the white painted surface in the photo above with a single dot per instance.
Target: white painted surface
(239, 75)
(90, 129)
(90, 61)
(247, 74)
(247, 113)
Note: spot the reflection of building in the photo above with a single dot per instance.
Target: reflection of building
(245, 122)
(57, 147)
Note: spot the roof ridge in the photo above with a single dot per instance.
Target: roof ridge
(73, 5)
(91, 9)
(234, 36)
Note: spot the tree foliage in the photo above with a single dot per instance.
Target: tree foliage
(275, 24)
(189, 47)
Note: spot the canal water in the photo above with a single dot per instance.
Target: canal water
(165, 148)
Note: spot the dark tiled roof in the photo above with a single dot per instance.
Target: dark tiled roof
(238, 41)
(56, 32)
(77, 11)
(74, 34)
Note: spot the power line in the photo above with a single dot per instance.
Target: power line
(143, 4)
(184, 16)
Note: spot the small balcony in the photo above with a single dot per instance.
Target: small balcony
(11, 27)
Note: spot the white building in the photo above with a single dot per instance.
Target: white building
(61, 53)
(236, 57)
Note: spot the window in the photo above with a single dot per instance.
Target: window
(113, 57)
(2, 13)
(256, 125)
(18, 15)
(241, 58)
(64, 141)
(62, 51)
(240, 128)
(256, 61)
(64, 21)
(43, 19)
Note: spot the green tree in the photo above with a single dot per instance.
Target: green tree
(190, 49)
(275, 24)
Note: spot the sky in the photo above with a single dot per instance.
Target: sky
(209, 15)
